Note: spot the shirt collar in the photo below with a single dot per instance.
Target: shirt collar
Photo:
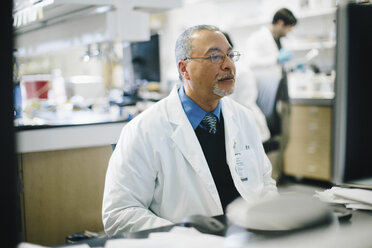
(194, 113)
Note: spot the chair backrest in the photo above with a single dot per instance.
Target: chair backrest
(269, 94)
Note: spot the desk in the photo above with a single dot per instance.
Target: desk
(360, 220)
(307, 238)
(100, 242)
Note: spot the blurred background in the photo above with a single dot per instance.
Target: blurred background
(83, 69)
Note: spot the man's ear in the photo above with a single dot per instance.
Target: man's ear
(280, 22)
(183, 70)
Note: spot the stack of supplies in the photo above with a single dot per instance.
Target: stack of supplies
(352, 198)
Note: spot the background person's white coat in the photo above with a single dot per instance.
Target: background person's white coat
(262, 58)
(261, 51)
(245, 93)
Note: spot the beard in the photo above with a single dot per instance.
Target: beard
(221, 91)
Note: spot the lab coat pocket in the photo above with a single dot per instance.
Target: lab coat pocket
(246, 166)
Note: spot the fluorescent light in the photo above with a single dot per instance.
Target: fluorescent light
(29, 12)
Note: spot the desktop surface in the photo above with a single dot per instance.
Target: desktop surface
(346, 221)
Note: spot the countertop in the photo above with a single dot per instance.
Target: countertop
(77, 129)
(49, 131)
(312, 101)
(89, 130)
(68, 137)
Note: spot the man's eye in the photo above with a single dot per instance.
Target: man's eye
(231, 55)
(216, 57)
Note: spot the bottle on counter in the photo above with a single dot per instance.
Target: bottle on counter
(58, 87)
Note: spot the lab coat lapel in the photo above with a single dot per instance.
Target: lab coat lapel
(231, 132)
(232, 139)
(185, 139)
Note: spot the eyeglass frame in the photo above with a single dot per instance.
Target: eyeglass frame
(235, 53)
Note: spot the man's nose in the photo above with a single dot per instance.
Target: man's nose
(228, 64)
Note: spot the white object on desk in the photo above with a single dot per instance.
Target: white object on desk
(360, 195)
(285, 212)
(178, 237)
(29, 245)
(352, 198)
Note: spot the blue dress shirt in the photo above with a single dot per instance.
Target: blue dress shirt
(194, 113)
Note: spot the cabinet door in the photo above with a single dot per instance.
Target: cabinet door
(63, 193)
(308, 153)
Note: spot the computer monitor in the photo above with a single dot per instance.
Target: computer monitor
(10, 218)
(146, 60)
(352, 122)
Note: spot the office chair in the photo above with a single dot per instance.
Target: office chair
(273, 100)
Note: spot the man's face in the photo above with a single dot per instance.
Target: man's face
(284, 29)
(205, 78)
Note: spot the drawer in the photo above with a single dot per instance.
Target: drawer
(308, 158)
(312, 148)
(310, 129)
(302, 112)
(310, 121)
(309, 169)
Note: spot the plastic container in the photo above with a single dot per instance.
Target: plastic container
(36, 86)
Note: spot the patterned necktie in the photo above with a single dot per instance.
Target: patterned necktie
(210, 121)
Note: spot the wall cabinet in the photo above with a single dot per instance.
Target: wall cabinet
(308, 153)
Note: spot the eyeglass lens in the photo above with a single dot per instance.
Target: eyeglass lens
(219, 58)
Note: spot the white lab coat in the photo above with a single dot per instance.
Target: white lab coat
(262, 51)
(158, 174)
(245, 93)
(262, 54)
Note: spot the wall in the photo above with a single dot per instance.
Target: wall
(62, 45)
(240, 18)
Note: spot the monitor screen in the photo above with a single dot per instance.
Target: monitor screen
(352, 112)
(10, 220)
(145, 59)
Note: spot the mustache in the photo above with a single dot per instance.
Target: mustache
(230, 75)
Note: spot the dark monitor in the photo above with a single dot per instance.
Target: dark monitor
(10, 218)
(352, 136)
(145, 59)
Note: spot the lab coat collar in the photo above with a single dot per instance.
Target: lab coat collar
(194, 112)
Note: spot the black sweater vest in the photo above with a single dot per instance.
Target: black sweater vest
(214, 150)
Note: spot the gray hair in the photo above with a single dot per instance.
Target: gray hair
(183, 45)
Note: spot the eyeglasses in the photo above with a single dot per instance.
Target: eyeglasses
(219, 58)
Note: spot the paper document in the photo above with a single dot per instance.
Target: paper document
(29, 245)
(178, 237)
(350, 197)
(360, 195)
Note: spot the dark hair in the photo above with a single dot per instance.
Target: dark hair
(286, 16)
(228, 39)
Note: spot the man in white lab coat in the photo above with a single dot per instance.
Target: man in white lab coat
(266, 58)
(170, 163)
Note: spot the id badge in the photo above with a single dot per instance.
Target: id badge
(240, 166)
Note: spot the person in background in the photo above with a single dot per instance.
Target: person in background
(193, 152)
(264, 46)
(266, 58)
(245, 93)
